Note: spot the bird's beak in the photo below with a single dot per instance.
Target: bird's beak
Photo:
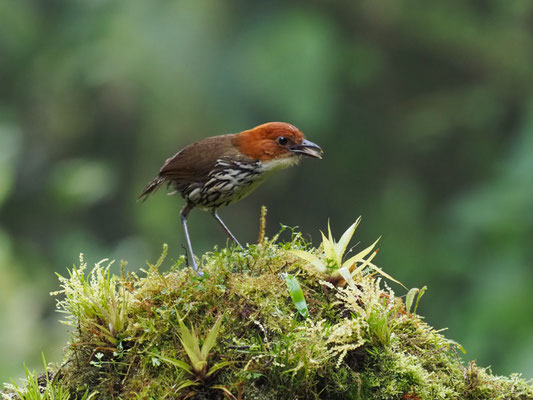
(307, 148)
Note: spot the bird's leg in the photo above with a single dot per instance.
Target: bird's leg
(184, 212)
(228, 232)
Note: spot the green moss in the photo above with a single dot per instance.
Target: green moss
(359, 341)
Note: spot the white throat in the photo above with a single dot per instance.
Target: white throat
(280, 163)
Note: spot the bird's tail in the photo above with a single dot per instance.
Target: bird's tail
(151, 187)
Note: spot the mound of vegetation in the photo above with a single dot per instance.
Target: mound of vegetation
(272, 321)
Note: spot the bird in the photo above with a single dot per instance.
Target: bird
(220, 170)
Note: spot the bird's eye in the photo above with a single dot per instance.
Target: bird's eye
(283, 140)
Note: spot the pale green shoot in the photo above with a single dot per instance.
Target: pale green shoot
(48, 390)
(330, 261)
(198, 355)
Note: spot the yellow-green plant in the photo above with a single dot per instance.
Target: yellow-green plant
(42, 389)
(97, 298)
(198, 356)
(329, 261)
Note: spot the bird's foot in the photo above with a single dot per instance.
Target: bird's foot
(196, 268)
(193, 264)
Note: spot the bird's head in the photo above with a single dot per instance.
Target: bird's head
(276, 141)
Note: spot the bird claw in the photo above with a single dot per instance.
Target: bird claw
(196, 268)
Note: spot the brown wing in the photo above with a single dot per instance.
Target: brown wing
(194, 162)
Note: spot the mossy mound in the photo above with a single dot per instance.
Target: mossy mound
(360, 341)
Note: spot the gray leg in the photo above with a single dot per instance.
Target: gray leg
(228, 232)
(184, 212)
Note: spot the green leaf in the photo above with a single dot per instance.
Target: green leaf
(365, 264)
(225, 390)
(211, 338)
(383, 273)
(362, 254)
(409, 299)
(345, 273)
(186, 383)
(346, 237)
(177, 363)
(311, 258)
(458, 346)
(420, 294)
(297, 295)
(330, 236)
(191, 345)
(329, 248)
(216, 367)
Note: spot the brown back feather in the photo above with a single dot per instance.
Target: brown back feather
(194, 162)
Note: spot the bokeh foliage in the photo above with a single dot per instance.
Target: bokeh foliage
(425, 111)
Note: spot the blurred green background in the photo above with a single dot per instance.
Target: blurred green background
(424, 110)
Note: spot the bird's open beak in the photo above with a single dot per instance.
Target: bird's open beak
(307, 148)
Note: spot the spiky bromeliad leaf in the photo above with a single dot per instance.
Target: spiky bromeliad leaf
(311, 258)
(191, 344)
(216, 367)
(384, 274)
(330, 257)
(340, 246)
(352, 261)
(172, 361)
(297, 295)
(331, 263)
(347, 273)
(333, 252)
(211, 338)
